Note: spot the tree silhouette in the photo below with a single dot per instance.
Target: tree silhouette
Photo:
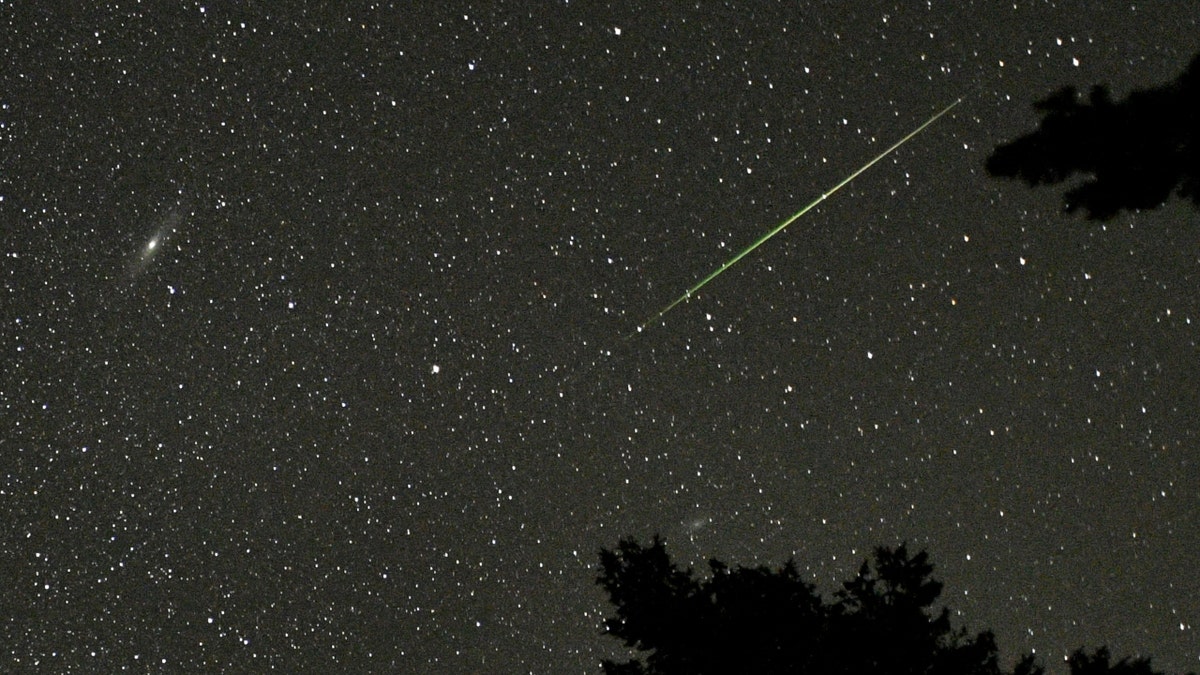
(759, 620)
(1135, 152)
(882, 622)
(770, 621)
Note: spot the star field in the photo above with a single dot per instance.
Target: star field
(314, 317)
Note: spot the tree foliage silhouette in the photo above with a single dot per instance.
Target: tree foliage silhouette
(759, 620)
(1135, 152)
(771, 621)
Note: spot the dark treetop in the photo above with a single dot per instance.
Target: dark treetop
(1135, 152)
(759, 620)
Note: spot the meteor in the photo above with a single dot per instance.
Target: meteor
(793, 218)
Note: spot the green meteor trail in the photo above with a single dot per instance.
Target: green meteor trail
(779, 228)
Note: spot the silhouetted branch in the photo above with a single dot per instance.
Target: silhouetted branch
(1134, 153)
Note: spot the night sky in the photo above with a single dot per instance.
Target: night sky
(313, 326)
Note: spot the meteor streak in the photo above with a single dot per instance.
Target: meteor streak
(794, 217)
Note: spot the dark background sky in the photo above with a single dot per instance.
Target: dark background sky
(312, 326)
